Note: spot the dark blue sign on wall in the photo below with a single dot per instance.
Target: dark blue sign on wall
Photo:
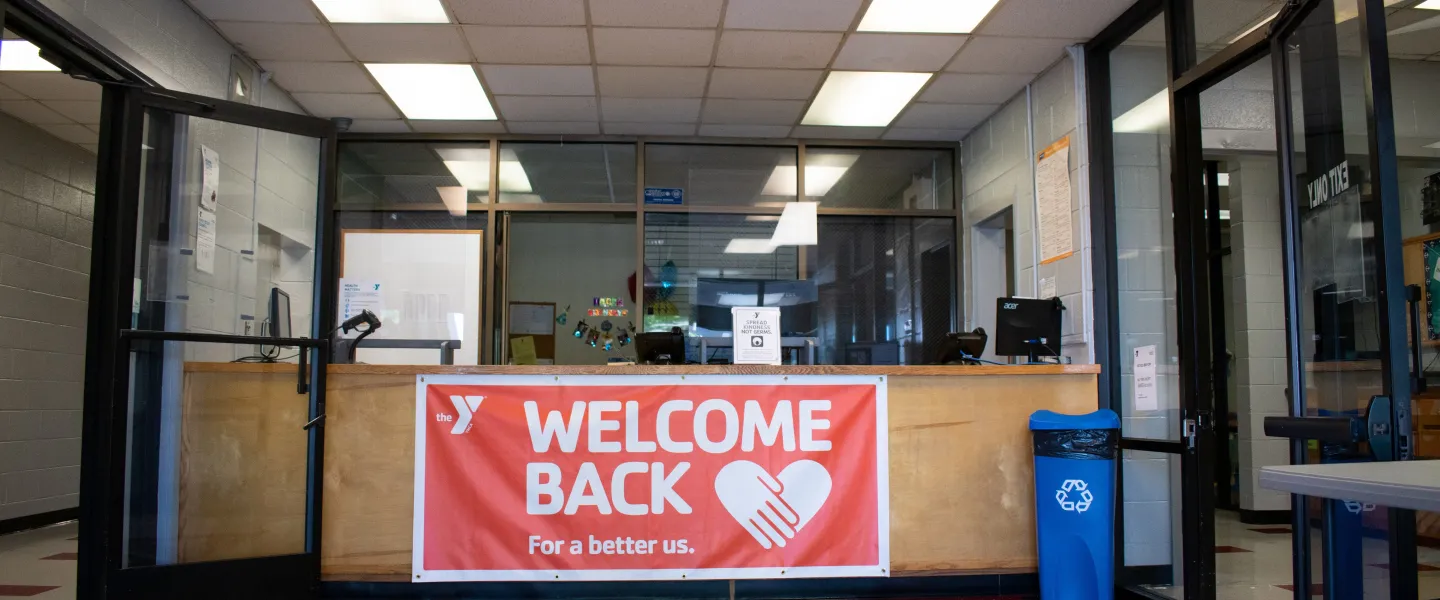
(664, 196)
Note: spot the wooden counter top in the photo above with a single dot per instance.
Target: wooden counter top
(948, 370)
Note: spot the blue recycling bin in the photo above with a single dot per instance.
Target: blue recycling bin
(1075, 503)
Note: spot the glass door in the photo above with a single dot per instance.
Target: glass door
(1345, 295)
(206, 351)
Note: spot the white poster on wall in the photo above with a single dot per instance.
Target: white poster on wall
(205, 241)
(1145, 397)
(1052, 202)
(532, 319)
(757, 335)
(359, 295)
(209, 178)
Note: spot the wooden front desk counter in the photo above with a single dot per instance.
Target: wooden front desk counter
(961, 483)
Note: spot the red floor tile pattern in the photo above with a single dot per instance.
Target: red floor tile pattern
(1229, 549)
(1420, 567)
(1271, 530)
(63, 556)
(24, 591)
(1316, 589)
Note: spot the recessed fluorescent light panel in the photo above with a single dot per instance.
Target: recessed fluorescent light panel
(1429, 5)
(20, 55)
(428, 91)
(455, 198)
(471, 167)
(822, 172)
(382, 11)
(1149, 116)
(925, 16)
(863, 99)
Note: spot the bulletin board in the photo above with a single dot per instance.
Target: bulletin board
(535, 320)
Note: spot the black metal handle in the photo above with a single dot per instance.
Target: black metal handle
(317, 421)
(1331, 430)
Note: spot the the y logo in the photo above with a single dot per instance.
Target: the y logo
(465, 406)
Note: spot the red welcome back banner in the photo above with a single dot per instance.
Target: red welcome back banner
(649, 477)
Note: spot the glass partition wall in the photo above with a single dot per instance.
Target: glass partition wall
(545, 252)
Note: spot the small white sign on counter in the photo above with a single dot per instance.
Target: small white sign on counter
(357, 295)
(757, 335)
(1145, 397)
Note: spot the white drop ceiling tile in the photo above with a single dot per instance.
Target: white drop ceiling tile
(745, 131)
(547, 108)
(655, 13)
(379, 126)
(73, 133)
(771, 49)
(529, 45)
(652, 82)
(753, 112)
(794, 15)
(650, 110)
(836, 133)
(945, 116)
(649, 128)
(554, 128)
(354, 106)
(52, 86)
(985, 54)
(523, 80)
(654, 47)
(1076, 19)
(897, 52)
(519, 12)
(777, 84)
(270, 11)
(934, 135)
(409, 43)
(33, 112)
(457, 126)
(284, 41)
(974, 88)
(9, 94)
(336, 77)
(85, 112)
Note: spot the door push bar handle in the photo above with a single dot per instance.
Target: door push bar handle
(1331, 430)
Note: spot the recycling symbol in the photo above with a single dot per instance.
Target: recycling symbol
(1356, 508)
(1062, 496)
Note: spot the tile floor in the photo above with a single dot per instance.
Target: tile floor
(1255, 563)
(39, 563)
(1252, 562)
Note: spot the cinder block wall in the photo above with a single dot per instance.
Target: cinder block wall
(47, 201)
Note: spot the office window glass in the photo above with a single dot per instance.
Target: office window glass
(422, 273)
(886, 289)
(563, 274)
(886, 178)
(448, 177)
(753, 176)
(535, 173)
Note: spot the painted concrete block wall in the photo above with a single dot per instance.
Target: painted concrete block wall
(47, 201)
(1258, 338)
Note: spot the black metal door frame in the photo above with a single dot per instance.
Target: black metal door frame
(109, 341)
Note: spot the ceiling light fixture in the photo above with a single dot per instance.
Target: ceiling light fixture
(20, 55)
(1429, 5)
(382, 11)
(925, 16)
(749, 246)
(431, 91)
(863, 99)
(1150, 116)
(822, 172)
(471, 167)
(797, 226)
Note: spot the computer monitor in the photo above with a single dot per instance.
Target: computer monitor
(714, 298)
(279, 313)
(660, 348)
(1028, 327)
(961, 347)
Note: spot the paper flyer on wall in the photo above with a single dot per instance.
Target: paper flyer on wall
(1052, 202)
(205, 241)
(209, 178)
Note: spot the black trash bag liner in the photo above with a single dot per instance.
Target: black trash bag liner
(1080, 444)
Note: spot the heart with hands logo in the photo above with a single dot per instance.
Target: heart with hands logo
(772, 508)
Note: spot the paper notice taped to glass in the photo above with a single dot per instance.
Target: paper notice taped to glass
(757, 335)
(1145, 396)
